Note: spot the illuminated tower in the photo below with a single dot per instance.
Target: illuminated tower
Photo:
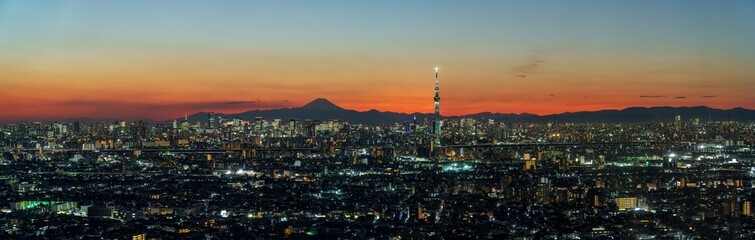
(436, 123)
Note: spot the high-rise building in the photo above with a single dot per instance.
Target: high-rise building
(746, 208)
(436, 123)
(543, 190)
(529, 162)
(212, 120)
(626, 203)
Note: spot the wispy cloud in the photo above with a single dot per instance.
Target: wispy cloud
(239, 102)
(680, 97)
(129, 110)
(709, 96)
(209, 105)
(535, 61)
(530, 68)
(652, 96)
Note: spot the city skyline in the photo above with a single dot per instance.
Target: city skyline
(237, 119)
(164, 60)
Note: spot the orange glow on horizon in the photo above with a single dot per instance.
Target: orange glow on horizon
(140, 85)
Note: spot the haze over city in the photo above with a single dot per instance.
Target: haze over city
(164, 59)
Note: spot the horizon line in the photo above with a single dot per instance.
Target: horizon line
(87, 118)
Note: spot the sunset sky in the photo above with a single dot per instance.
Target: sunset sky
(164, 59)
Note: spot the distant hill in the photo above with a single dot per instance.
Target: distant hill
(322, 109)
(319, 109)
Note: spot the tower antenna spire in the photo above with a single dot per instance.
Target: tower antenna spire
(436, 123)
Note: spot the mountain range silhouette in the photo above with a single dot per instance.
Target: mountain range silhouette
(322, 109)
